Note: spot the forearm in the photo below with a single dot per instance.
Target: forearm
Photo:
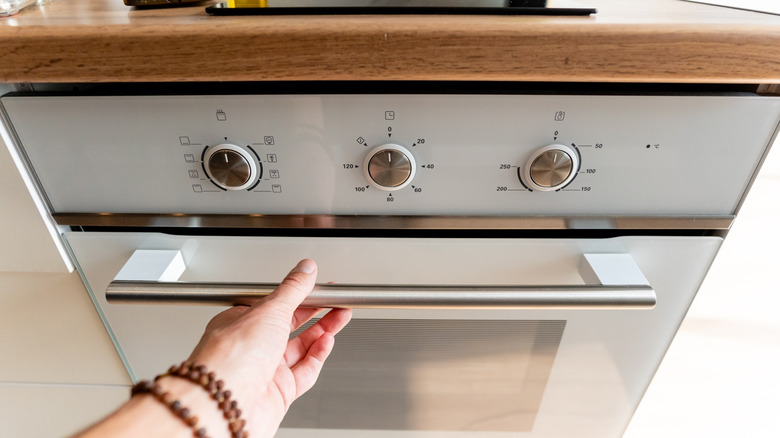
(143, 415)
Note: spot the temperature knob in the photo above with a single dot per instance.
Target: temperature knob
(230, 167)
(389, 167)
(550, 168)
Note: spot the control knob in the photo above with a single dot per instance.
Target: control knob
(550, 168)
(389, 167)
(230, 167)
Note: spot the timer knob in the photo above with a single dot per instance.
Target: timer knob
(389, 167)
(550, 168)
(230, 167)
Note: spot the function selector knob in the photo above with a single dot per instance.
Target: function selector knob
(389, 167)
(550, 168)
(230, 167)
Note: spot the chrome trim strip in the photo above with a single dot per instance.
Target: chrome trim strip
(391, 297)
(395, 222)
(775, 135)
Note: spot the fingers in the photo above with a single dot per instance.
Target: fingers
(310, 349)
(308, 369)
(296, 286)
(301, 316)
(331, 323)
(279, 307)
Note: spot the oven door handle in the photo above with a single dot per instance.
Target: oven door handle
(612, 281)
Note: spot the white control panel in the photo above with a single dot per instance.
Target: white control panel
(521, 155)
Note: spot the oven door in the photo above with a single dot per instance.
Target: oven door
(541, 371)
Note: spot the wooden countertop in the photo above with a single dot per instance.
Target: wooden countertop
(627, 41)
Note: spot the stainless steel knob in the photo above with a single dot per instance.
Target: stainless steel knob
(550, 168)
(230, 167)
(389, 167)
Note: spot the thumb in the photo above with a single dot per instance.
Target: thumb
(295, 287)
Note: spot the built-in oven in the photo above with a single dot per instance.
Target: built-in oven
(519, 261)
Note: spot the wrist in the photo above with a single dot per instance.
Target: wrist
(199, 404)
(146, 415)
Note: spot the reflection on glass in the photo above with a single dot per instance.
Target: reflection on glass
(445, 375)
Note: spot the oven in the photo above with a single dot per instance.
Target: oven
(519, 259)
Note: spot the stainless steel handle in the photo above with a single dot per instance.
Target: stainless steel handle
(396, 297)
(616, 282)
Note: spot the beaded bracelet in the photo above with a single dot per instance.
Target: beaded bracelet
(147, 387)
(208, 380)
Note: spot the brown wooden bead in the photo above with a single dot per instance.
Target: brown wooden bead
(236, 425)
(175, 406)
(200, 375)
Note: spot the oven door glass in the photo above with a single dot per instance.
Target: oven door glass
(443, 375)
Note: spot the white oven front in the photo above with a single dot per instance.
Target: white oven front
(538, 372)
(475, 221)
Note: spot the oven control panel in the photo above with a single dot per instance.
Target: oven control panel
(519, 155)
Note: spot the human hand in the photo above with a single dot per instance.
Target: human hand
(248, 348)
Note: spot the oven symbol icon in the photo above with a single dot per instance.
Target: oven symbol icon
(221, 116)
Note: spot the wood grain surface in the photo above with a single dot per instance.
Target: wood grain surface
(627, 41)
